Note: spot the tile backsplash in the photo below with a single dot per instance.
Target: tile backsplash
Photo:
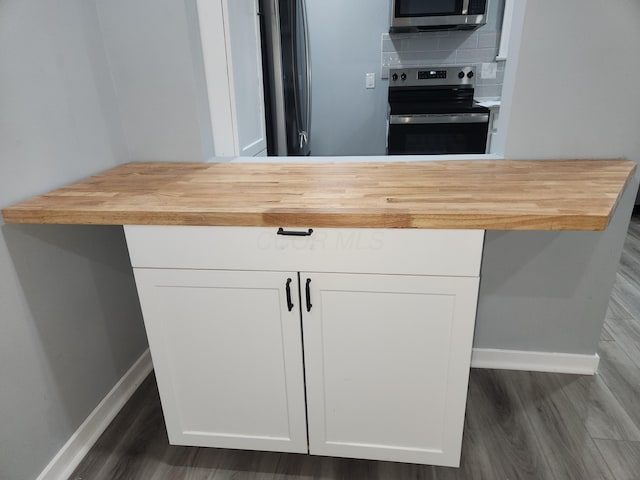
(466, 47)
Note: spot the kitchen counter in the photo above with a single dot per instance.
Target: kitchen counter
(489, 195)
(269, 339)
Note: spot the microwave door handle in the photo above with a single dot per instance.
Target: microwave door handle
(439, 118)
(465, 7)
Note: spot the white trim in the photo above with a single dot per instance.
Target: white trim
(218, 76)
(226, 26)
(72, 453)
(505, 34)
(535, 361)
(499, 140)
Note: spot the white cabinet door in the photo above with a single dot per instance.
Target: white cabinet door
(387, 362)
(228, 357)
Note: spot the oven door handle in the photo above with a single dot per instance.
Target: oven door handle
(422, 119)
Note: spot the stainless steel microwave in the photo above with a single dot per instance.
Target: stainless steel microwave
(417, 15)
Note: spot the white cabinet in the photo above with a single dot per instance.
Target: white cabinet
(386, 353)
(386, 361)
(231, 48)
(228, 357)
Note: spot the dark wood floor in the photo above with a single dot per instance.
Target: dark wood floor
(519, 425)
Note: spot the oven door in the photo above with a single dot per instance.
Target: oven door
(438, 134)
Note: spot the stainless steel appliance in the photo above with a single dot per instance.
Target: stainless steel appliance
(432, 111)
(287, 74)
(412, 15)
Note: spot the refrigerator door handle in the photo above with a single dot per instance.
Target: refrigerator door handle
(307, 51)
(297, 100)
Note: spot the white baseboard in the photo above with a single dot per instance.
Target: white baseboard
(72, 453)
(535, 361)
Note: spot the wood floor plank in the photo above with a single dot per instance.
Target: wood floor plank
(626, 333)
(499, 442)
(347, 468)
(303, 467)
(135, 458)
(567, 445)
(622, 376)
(616, 308)
(632, 240)
(627, 295)
(394, 471)
(475, 461)
(246, 465)
(600, 411)
(136, 446)
(605, 334)
(633, 234)
(111, 451)
(185, 463)
(629, 268)
(623, 458)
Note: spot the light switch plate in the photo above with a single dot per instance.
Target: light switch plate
(371, 80)
(489, 70)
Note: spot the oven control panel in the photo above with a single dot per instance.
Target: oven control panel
(431, 76)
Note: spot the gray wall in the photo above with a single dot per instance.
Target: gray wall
(155, 58)
(70, 324)
(548, 291)
(347, 119)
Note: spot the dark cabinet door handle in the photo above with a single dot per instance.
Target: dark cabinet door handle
(308, 292)
(289, 302)
(282, 231)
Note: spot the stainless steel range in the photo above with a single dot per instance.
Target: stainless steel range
(432, 111)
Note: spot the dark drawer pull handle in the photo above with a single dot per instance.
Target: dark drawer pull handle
(282, 231)
(308, 292)
(289, 302)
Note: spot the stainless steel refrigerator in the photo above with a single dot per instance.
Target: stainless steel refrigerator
(287, 75)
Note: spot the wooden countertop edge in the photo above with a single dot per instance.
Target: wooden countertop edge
(631, 174)
(22, 213)
(456, 221)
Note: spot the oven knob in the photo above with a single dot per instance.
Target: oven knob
(403, 76)
(394, 77)
(470, 75)
(461, 75)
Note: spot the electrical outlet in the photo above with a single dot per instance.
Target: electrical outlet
(489, 70)
(371, 80)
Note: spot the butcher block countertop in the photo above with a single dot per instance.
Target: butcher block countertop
(478, 194)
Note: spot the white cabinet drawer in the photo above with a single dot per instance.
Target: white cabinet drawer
(338, 250)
